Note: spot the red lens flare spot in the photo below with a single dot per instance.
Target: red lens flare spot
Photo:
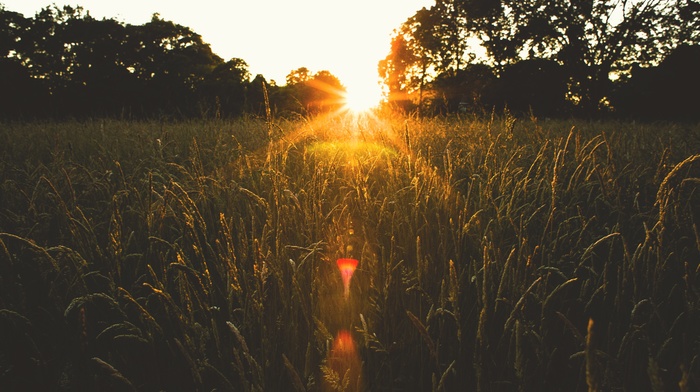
(344, 345)
(347, 268)
(344, 360)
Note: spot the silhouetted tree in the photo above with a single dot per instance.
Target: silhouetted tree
(535, 85)
(315, 94)
(18, 91)
(20, 95)
(171, 60)
(12, 27)
(104, 67)
(45, 54)
(99, 82)
(468, 90)
(592, 39)
(454, 27)
(663, 92)
(298, 76)
(63, 62)
(255, 101)
(396, 70)
(422, 51)
(326, 92)
(224, 89)
(295, 95)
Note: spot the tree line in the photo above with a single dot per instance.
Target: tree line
(636, 58)
(64, 63)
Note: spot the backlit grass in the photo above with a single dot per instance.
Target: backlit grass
(495, 254)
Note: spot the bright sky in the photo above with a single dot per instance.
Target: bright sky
(345, 37)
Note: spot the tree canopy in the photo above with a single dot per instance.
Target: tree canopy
(591, 44)
(555, 57)
(63, 62)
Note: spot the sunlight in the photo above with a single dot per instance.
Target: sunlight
(362, 97)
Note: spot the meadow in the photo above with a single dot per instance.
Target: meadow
(495, 254)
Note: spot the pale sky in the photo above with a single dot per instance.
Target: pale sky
(346, 37)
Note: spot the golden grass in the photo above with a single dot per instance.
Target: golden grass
(499, 254)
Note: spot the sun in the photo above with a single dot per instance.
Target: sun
(362, 97)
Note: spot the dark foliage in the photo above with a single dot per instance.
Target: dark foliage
(533, 85)
(65, 63)
(554, 58)
(668, 91)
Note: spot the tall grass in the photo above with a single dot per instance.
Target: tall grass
(499, 254)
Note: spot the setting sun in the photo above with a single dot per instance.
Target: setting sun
(362, 97)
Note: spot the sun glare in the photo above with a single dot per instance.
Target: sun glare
(361, 98)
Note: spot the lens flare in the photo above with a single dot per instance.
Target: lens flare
(343, 345)
(347, 268)
(344, 359)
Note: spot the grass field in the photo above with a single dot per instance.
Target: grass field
(494, 255)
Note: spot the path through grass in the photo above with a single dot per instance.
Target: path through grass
(493, 255)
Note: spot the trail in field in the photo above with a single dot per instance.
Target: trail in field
(367, 195)
(366, 162)
(360, 144)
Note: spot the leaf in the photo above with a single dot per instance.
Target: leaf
(293, 375)
(519, 304)
(547, 302)
(424, 334)
(441, 385)
(591, 364)
(114, 330)
(571, 327)
(106, 305)
(332, 378)
(589, 250)
(653, 370)
(239, 337)
(16, 335)
(109, 378)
